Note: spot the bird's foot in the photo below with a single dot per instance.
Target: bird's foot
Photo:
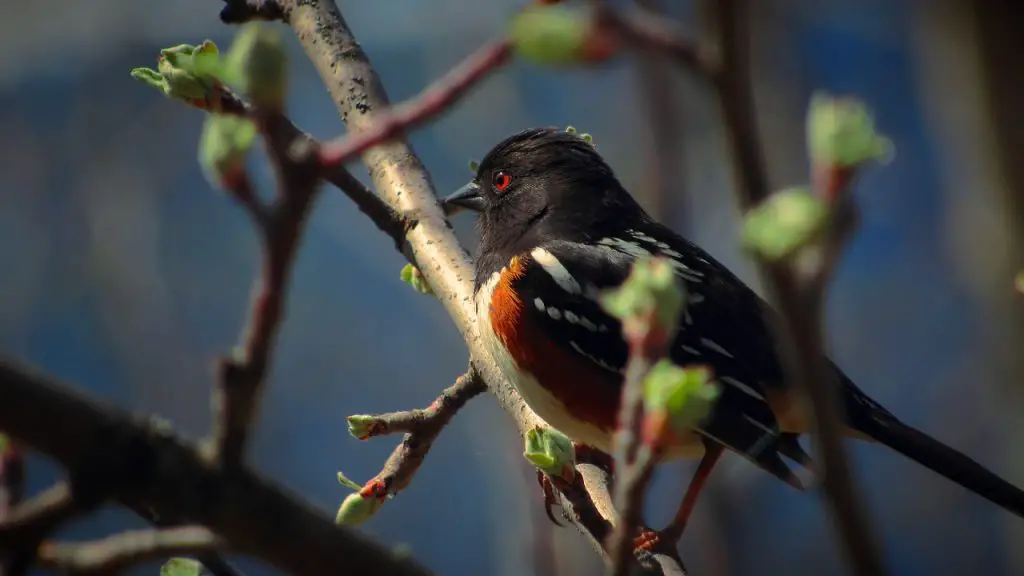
(646, 540)
(550, 499)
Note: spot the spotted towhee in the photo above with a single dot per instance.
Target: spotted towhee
(556, 227)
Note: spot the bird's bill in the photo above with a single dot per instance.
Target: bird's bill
(468, 197)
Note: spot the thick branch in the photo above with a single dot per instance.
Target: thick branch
(146, 465)
(116, 553)
(800, 306)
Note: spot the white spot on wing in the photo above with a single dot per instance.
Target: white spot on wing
(554, 313)
(539, 304)
(637, 251)
(594, 359)
(556, 270)
(741, 387)
(539, 399)
(711, 344)
(760, 425)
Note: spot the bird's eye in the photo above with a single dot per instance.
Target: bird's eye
(501, 180)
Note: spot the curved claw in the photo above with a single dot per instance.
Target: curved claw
(550, 501)
(646, 540)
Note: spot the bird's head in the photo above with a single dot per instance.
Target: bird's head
(539, 184)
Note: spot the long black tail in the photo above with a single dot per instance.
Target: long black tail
(943, 460)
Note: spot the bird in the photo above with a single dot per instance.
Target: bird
(556, 228)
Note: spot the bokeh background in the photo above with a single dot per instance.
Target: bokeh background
(124, 272)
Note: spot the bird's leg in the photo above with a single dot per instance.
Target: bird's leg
(712, 452)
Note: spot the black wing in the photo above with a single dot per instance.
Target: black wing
(565, 306)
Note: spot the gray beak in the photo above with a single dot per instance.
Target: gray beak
(468, 197)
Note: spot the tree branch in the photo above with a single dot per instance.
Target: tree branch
(116, 553)
(421, 426)
(387, 220)
(400, 178)
(145, 465)
(799, 304)
(30, 522)
(279, 225)
(435, 99)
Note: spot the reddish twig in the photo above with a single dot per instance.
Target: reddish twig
(116, 553)
(435, 99)
(659, 97)
(279, 225)
(638, 442)
(224, 101)
(422, 427)
(650, 31)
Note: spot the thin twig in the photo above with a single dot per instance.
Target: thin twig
(435, 99)
(279, 225)
(422, 427)
(800, 306)
(659, 106)
(116, 553)
(650, 31)
(30, 522)
(636, 449)
(225, 101)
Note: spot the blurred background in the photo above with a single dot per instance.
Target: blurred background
(125, 273)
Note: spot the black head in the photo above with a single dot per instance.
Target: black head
(543, 184)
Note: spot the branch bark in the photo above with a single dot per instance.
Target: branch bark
(142, 464)
(421, 428)
(114, 554)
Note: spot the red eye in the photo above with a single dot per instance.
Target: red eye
(501, 181)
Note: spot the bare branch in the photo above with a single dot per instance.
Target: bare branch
(435, 99)
(422, 427)
(649, 31)
(387, 220)
(424, 422)
(116, 553)
(279, 225)
(659, 98)
(146, 466)
(637, 449)
(799, 305)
